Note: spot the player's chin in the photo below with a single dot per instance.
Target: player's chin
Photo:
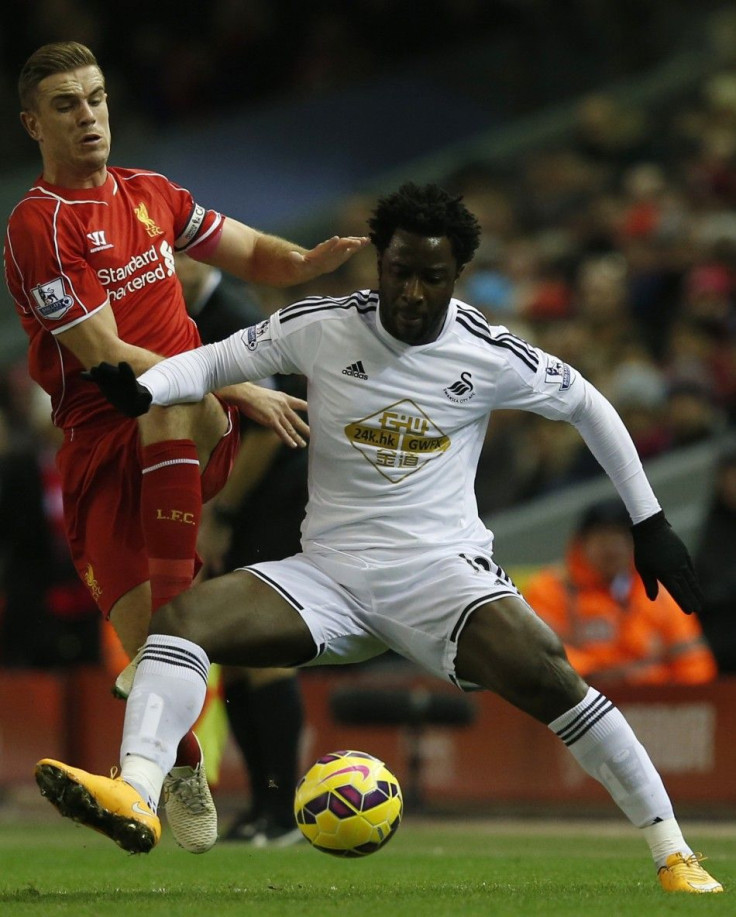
(95, 155)
(410, 330)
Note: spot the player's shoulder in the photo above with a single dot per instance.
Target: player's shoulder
(34, 212)
(36, 199)
(358, 305)
(123, 174)
(496, 340)
(143, 179)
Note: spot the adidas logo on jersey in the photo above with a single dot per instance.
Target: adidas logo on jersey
(355, 369)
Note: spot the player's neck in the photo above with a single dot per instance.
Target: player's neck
(68, 178)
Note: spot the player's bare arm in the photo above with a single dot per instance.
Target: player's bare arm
(270, 408)
(261, 258)
(96, 340)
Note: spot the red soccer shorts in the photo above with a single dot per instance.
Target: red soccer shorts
(101, 477)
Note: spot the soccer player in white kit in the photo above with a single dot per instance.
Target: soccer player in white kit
(402, 381)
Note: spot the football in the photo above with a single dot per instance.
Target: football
(348, 804)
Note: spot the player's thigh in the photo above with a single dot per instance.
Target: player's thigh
(507, 648)
(101, 481)
(238, 619)
(204, 422)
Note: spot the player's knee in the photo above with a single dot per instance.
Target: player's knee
(555, 666)
(544, 684)
(176, 619)
(563, 686)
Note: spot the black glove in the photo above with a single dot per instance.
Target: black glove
(121, 388)
(659, 554)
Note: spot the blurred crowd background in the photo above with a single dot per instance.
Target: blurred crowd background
(177, 61)
(613, 245)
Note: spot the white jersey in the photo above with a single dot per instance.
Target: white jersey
(397, 429)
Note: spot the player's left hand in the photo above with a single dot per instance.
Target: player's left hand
(271, 408)
(327, 256)
(121, 388)
(661, 557)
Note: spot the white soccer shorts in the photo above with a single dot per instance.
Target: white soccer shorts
(415, 605)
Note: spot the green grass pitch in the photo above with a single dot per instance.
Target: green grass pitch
(432, 868)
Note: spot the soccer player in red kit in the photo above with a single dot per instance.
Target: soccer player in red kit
(89, 263)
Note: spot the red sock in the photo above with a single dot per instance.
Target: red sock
(188, 752)
(171, 509)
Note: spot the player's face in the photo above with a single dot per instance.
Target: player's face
(71, 124)
(416, 279)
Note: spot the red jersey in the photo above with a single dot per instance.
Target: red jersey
(68, 252)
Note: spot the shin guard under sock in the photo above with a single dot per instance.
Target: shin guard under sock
(171, 509)
(167, 696)
(605, 746)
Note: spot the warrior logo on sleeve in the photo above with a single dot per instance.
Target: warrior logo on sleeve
(51, 299)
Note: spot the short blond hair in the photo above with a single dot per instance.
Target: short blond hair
(56, 57)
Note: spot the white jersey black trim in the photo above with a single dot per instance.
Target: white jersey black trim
(519, 343)
(575, 730)
(175, 656)
(314, 304)
(476, 324)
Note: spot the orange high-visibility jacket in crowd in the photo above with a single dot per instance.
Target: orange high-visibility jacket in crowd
(615, 633)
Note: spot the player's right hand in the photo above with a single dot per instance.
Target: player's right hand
(121, 388)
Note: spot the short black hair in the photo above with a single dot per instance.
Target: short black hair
(427, 210)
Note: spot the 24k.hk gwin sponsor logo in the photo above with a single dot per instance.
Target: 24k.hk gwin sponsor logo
(398, 440)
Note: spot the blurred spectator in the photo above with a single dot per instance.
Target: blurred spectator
(505, 465)
(610, 133)
(637, 389)
(715, 561)
(691, 415)
(50, 618)
(554, 457)
(603, 306)
(596, 603)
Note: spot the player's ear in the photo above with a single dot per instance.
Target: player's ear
(30, 123)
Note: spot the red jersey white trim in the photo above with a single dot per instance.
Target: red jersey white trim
(70, 252)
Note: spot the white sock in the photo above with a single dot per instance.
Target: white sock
(144, 776)
(167, 696)
(605, 746)
(664, 838)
